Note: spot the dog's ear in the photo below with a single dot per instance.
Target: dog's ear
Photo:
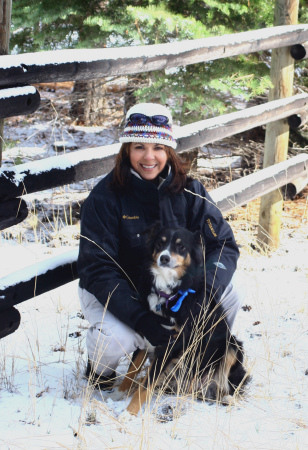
(197, 249)
(151, 233)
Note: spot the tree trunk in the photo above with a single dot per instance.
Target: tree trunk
(98, 102)
(5, 25)
(88, 106)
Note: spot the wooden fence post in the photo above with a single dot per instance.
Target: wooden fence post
(5, 25)
(277, 133)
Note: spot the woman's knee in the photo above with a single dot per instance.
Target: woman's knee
(101, 345)
(106, 348)
(114, 338)
(107, 335)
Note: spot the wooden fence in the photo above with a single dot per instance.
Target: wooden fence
(68, 65)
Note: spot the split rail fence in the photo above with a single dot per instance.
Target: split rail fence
(18, 96)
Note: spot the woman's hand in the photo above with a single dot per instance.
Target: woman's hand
(153, 327)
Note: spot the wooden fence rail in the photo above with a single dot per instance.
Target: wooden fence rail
(19, 100)
(12, 211)
(70, 65)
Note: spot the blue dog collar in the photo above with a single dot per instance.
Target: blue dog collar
(179, 302)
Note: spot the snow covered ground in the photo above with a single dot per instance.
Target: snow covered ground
(46, 403)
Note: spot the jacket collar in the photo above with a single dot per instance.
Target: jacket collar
(161, 179)
(144, 188)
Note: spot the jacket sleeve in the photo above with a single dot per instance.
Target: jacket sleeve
(221, 250)
(98, 263)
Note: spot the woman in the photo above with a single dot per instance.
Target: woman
(148, 184)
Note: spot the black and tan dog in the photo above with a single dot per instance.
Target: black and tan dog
(204, 357)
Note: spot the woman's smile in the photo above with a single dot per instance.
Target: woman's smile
(148, 167)
(147, 159)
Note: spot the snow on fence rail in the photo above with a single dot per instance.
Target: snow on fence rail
(12, 211)
(19, 100)
(56, 271)
(69, 65)
(37, 279)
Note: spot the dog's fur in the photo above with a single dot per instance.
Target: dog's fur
(204, 357)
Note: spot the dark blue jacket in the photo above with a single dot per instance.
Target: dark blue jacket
(112, 242)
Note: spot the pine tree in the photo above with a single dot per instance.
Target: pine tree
(194, 92)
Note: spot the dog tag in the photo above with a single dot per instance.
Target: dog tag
(158, 307)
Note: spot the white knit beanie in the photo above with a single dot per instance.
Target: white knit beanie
(148, 132)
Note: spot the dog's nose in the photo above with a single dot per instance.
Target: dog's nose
(164, 260)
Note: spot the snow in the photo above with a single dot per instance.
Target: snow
(36, 140)
(45, 402)
(43, 266)
(220, 162)
(17, 91)
(61, 162)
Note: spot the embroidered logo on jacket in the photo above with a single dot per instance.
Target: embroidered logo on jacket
(131, 217)
(211, 227)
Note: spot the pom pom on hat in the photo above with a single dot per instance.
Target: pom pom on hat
(148, 132)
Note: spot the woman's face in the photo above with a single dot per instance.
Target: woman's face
(148, 160)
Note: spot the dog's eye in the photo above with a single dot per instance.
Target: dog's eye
(180, 247)
(159, 244)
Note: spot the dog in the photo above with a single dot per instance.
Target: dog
(203, 356)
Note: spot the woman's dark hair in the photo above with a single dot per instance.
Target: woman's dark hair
(122, 173)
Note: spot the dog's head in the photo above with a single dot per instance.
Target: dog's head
(177, 249)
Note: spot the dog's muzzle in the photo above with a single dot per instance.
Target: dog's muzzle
(165, 259)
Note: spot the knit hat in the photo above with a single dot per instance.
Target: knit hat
(144, 130)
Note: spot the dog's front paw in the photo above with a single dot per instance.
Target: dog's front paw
(153, 301)
(229, 400)
(116, 395)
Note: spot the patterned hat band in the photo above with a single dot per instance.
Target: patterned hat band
(148, 132)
